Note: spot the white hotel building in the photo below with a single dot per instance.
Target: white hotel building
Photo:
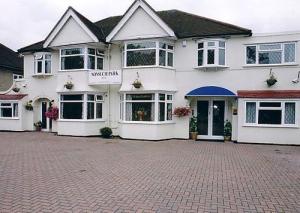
(218, 69)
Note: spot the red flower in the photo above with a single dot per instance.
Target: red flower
(52, 113)
(182, 111)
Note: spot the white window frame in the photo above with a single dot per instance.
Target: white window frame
(95, 101)
(12, 109)
(99, 54)
(166, 102)
(85, 55)
(156, 102)
(281, 49)
(156, 48)
(84, 105)
(17, 77)
(216, 49)
(43, 61)
(282, 108)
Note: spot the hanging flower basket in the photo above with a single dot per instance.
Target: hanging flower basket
(16, 89)
(29, 106)
(272, 79)
(182, 111)
(69, 85)
(52, 113)
(137, 84)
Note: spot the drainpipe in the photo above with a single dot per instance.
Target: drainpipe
(108, 87)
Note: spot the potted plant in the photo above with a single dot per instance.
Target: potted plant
(106, 132)
(193, 128)
(38, 126)
(16, 89)
(227, 131)
(69, 85)
(182, 111)
(272, 79)
(137, 84)
(29, 106)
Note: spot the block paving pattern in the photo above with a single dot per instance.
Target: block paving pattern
(41, 172)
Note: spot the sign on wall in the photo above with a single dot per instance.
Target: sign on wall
(105, 77)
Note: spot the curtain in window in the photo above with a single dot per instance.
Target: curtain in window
(289, 117)
(128, 112)
(250, 112)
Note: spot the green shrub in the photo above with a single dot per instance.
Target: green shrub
(106, 132)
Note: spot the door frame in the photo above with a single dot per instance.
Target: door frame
(41, 114)
(210, 116)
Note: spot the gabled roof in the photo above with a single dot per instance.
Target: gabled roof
(10, 60)
(183, 24)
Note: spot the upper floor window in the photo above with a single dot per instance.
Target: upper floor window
(42, 63)
(211, 53)
(81, 58)
(272, 53)
(149, 53)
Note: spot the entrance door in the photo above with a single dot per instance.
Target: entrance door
(211, 117)
(43, 115)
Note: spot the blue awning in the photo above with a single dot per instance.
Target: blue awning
(211, 91)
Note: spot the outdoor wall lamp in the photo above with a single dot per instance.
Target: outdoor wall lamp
(296, 80)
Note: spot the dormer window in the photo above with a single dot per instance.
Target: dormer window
(42, 63)
(211, 53)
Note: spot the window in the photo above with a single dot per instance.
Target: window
(141, 107)
(16, 76)
(272, 53)
(145, 54)
(71, 106)
(271, 113)
(95, 59)
(42, 63)
(9, 110)
(72, 58)
(211, 53)
(94, 106)
(81, 58)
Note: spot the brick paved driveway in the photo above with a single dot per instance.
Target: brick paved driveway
(40, 172)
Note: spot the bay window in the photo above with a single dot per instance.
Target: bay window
(9, 110)
(42, 63)
(148, 53)
(271, 53)
(281, 113)
(80, 58)
(148, 107)
(211, 53)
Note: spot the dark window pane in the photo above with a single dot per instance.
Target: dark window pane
(137, 97)
(270, 104)
(6, 112)
(90, 110)
(71, 110)
(289, 53)
(39, 66)
(72, 97)
(98, 110)
(16, 110)
(91, 97)
(170, 59)
(141, 45)
(200, 45)
(100, 63)
(142, 111)
(162, 45)
(200, 57)
(218, 117)
(269, 117)
(270, 58)
(162, 57)
(202, 117)
(91, 62)
(161, 111)
(251, 55)
(210, 56)
(72, 62)
(91, 51)
(162, 97)
(169, 111)
(72, 51)
(47, 66)
(141, 58)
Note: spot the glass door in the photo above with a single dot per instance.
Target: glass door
(43, 116)
(218, 113)
(202, 117)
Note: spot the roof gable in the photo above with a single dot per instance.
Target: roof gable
(87, 26)
(10, 60)
(136, 8)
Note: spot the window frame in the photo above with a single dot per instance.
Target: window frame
(217, 47)
(84, 102)
(95, 101)
(12, 103)
(157, 48)
(282, 50)
(156, 101)
(282, 108)
(43, 60)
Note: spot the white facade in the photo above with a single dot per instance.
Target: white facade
(175, 82)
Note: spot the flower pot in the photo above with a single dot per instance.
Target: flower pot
(137, 85)
(16, 89)
(227, 138)
(38, 128)
(194, 135)
(29, 107)
(69, 86)
(271, 82)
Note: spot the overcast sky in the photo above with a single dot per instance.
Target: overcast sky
(23, 22)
